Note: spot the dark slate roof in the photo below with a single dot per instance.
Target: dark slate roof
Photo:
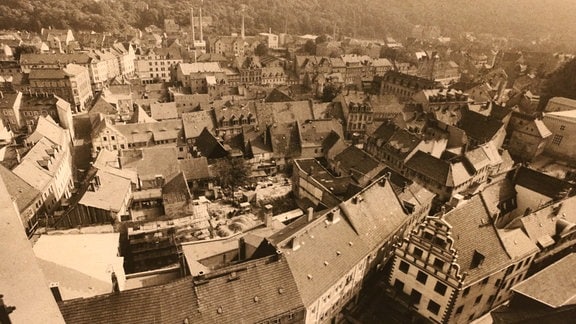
(176, 189)
(247, 292)
(472, 231)
(356, 162)
(541, 183)
(429, 166)
(402, 143)
(220, 297)
(479, 127)
(499, 112)
(170, 303)
(375, 224)
(195, 169)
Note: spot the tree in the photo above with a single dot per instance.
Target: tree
(562, 83)
(310, 47)
(232, 171)
(330, 92)
(25, 49)
(261, 50)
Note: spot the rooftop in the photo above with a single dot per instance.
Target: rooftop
(554, 286)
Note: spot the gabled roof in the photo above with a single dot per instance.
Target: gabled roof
(101, 106)
(315, 132)
(479, 127)
(356, 162)
(195, 122)
(327, 252)
(47, 127)
(429, 166)
(23, 193)
(196, 168)
(374, 224)
(276, 95)
(176, 189)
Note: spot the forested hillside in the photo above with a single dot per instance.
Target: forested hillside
(368, 18)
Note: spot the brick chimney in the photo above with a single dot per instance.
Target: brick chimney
(310, 214)
(55, 289)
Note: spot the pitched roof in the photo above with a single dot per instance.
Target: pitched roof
(203, 67)
(176, 189)
(473, 233)
(430, 166)
(109, 195)
(196, 168)
(554, 286)
(20, 190)
(364, 211)
(540, 182)
(548, 223)
(170, 303)
(151, 161)
(24, 285)
(101, 106)
(164, 110)
(195, 122)
(81, 263)
(479, 127)
(356, 162)
(219, 297)
(327, 252)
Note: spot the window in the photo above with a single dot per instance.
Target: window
(490, 299)
(465, 292)
(557, 139)
(440, 288)
(104, 138)
(415, 297)
(422, 277)
(485, 281)
(433, 307)
(404, 266)
(471, 317)
(398, 285)
(418, 252)
(497, 284)
(428, 236)
(562, 127)
(438, 264)
(459, 309)
(112, 137)
(478, 299)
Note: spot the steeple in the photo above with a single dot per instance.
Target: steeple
(192, 24)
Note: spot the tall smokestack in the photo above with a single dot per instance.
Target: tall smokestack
(242, 31)
(201, 35)
(192, 23)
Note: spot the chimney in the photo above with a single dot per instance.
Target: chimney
(54, 287)
(201, 35)
(1, 95)
(241, 249)
(310, 214)
(192, 23)
(267, 214)
(115, 286)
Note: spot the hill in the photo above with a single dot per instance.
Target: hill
(368, 18)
